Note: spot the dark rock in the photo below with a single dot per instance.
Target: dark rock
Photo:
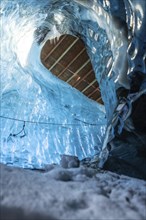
(128, 155)
(68, 161)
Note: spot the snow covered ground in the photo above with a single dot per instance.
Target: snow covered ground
(70, 194)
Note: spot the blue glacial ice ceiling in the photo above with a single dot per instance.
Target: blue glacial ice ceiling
(43, 117)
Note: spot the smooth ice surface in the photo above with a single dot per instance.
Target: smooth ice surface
(52, 118)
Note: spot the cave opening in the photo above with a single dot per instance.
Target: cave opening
(67, 59)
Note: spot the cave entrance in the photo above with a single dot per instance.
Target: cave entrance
(68, 60)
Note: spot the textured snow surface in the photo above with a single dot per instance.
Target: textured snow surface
(70, 194)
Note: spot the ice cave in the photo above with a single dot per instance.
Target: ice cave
(73, 93)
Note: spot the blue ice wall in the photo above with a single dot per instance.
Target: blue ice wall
(43, 117)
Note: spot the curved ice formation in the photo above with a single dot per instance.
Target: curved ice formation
(43, 117)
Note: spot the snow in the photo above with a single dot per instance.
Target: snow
(75, 193)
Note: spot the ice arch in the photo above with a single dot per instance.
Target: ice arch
(42, 116)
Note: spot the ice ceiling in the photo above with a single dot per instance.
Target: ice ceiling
(43, 117)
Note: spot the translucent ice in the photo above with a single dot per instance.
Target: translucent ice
(58, 119)
(43, 117)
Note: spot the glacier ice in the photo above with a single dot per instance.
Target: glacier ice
(43, 117)
(58, 119)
